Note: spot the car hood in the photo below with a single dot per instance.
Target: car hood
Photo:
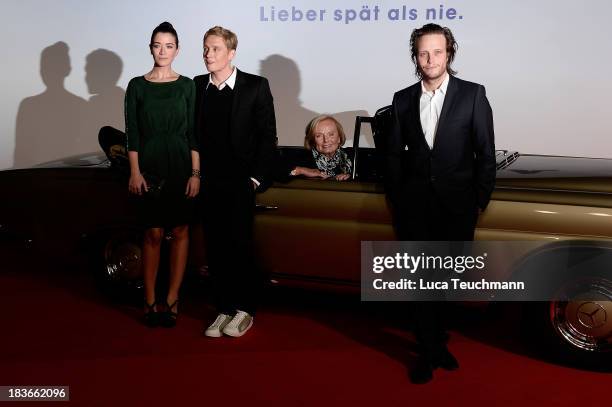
(555, 172)
(81, 160)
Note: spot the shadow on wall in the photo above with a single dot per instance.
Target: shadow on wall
(102, 72)
(58, 123)
(291, 117)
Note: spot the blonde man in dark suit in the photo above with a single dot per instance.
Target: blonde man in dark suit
(237, 129)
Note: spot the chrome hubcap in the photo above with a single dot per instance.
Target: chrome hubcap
(583, 315)
(123, 259)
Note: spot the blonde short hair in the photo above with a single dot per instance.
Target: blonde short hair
(231, 40)
(309, 139)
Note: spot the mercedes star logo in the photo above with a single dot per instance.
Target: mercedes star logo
(591, 315)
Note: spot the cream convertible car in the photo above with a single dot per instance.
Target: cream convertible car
(558, 201)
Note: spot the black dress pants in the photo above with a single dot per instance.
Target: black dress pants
(429, 219)
(228, 213)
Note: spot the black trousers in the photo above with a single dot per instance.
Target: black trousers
(429, 219)
(228, 209)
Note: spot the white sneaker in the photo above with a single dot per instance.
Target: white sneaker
(238, 326)
(215, 329)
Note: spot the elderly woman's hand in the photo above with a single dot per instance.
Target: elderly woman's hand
(343, 177)
(309, 172)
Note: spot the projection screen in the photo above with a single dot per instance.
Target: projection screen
(69, 61)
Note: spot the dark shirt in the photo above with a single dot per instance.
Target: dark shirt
(218, 161)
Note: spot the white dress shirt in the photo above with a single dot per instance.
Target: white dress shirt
(230, 81)
(430, 107)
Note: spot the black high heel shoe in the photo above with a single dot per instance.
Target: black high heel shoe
(151, 316)
(168, 317)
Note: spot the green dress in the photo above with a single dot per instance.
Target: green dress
(159, 126)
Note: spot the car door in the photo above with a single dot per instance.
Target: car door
(312, 229)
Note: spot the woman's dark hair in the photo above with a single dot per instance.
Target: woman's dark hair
(164, 27)
(451, 45)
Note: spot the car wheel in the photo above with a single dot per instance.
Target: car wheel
(118, 263)
(576, 327)
(584, 318)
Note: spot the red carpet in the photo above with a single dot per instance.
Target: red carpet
(306, 349)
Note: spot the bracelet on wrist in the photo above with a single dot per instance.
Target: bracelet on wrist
(196, 173)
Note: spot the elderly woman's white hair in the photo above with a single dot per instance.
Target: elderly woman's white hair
(309, 139)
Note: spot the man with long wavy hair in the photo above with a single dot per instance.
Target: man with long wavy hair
(440, 169)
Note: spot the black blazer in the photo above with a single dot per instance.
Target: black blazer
(460, 168)
(252, 126)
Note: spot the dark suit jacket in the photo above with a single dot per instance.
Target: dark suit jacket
(252, 125)
(460, 169)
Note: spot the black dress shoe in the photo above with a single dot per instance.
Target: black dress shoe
(445, 360)
(422, 372)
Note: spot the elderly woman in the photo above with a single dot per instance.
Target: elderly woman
(325, 159)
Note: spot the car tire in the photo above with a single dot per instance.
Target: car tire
(117, 263)
(575, 325)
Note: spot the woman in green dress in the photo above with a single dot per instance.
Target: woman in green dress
(164, 167)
